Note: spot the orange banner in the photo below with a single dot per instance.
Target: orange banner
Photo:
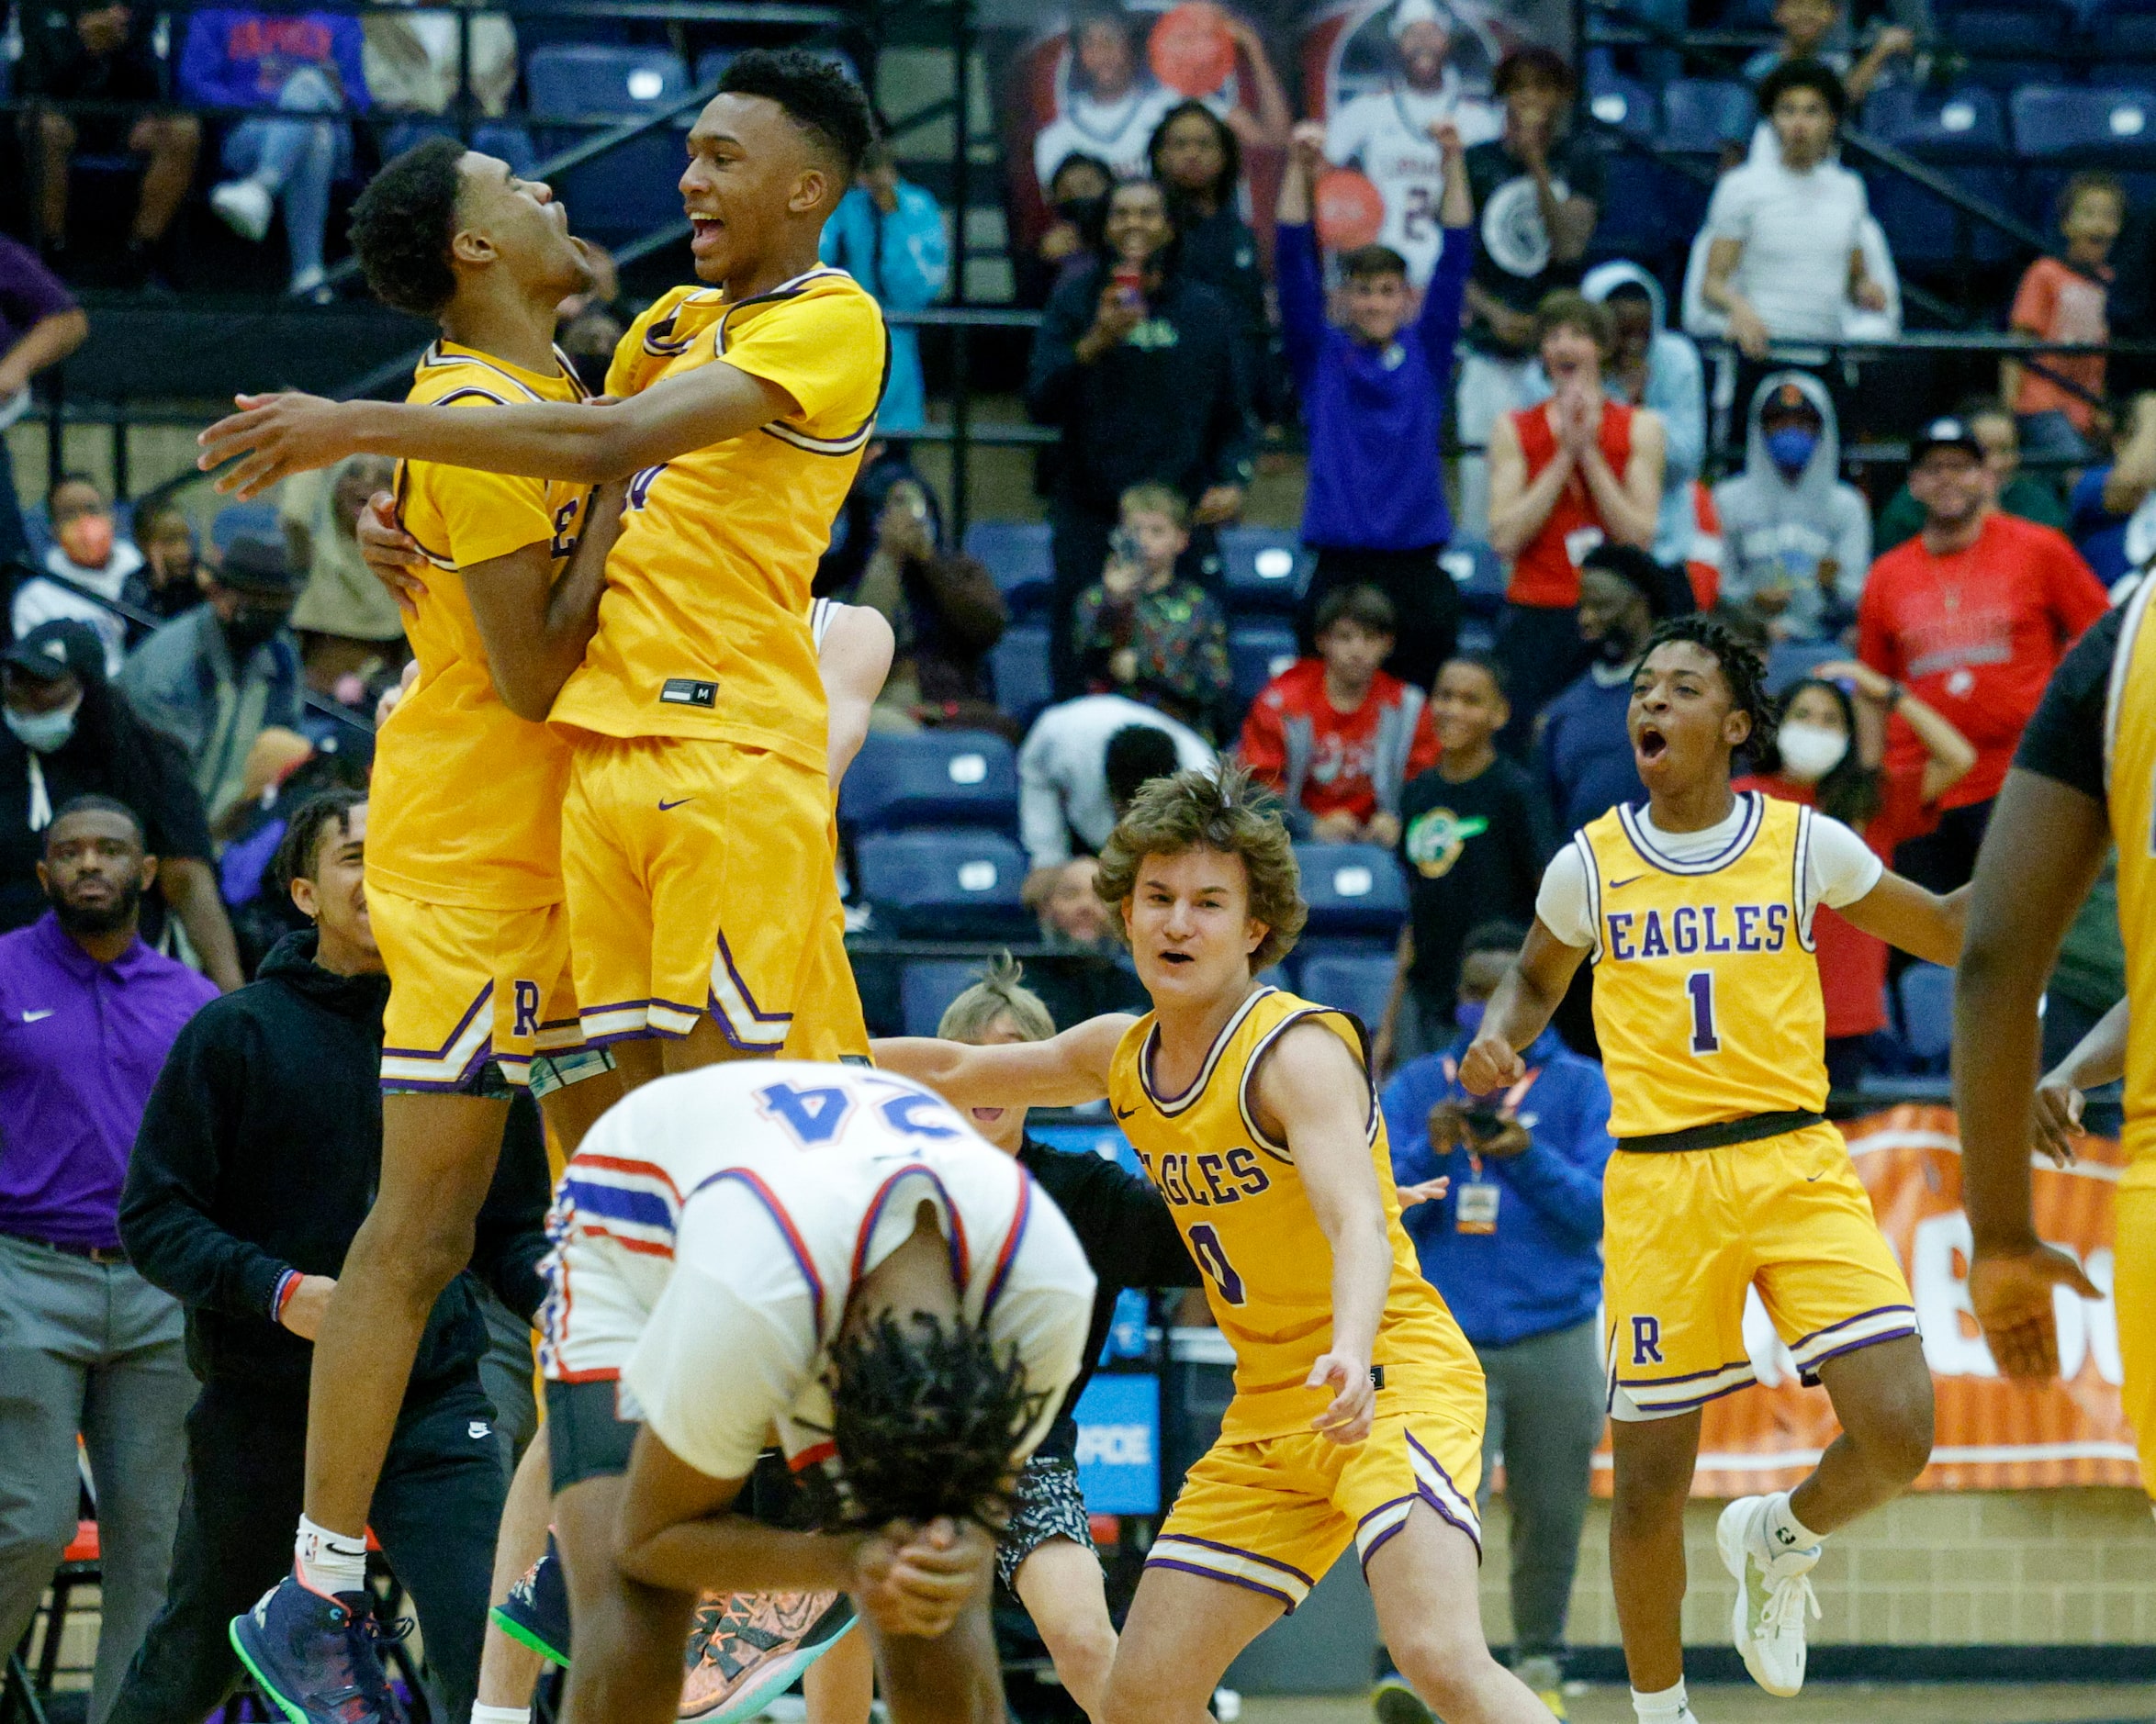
(1991, 1434)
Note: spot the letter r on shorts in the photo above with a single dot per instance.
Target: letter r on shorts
(1646, 1341)
(527, 1014)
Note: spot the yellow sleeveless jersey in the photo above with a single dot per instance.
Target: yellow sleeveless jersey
(2129, 775)
(466, 805)
(1243, 1210)
(1706, 991)
(703, 629)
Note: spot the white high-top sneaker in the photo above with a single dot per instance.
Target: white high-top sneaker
(1773, 1596)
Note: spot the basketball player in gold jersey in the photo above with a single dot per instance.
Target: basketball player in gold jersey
(695, 824)
(1358, 1405)
(1697, 913)
(2083, 778)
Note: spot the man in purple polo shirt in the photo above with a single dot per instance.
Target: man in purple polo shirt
(87, 1015)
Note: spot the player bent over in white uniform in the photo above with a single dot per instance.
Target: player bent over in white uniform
(825, 1259)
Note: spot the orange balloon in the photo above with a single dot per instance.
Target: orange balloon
(1190, 49)
(1350, 210)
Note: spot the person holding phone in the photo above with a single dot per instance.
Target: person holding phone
(1503, 1195)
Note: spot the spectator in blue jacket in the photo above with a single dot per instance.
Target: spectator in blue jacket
(2110, 526)
(303, 63)
(887, 234)
(1506, 1213)
(1374, 394)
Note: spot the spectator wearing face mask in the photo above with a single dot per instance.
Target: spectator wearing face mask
(85, 554)
(67, 733)
(1796, 539)
(170, 558)
(1824, 755)
(1585, 749)
(214, 680)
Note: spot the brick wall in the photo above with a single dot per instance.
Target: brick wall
(2065, 1567)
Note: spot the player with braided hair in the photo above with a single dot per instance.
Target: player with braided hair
(1696, 911)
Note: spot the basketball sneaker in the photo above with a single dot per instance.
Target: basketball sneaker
(1773, 1596)
(1393, 1702)
(313, 1654)
(745, 1649)
(536, 1611)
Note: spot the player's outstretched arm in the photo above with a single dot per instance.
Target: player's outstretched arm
(274, 435)
(1520, 1010)
(1921, 922)
(1313, 1095)
(2099, 1057)
(536, 627)
(1066, 1071)
(857, 645)
(2040, 856)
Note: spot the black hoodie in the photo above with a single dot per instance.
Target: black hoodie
(260, 1151)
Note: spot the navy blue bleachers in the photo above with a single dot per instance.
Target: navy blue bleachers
(1700, 115)
(1018, 553)
(1258, 652)
(1927, 1013)
(1966, 123)
(1478, 572)
(1356, 982)
(1353, 889)
(1927, 232)
(1792, 661)
(2077, 126)
(1624, 102)
(951, 884)
(934, 778)
(1264, 570)
(2121, 30)
(928, 986)
(631, 189)
(1019, 662)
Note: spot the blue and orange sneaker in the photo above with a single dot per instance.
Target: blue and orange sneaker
(313, 1654)
(536, 1611)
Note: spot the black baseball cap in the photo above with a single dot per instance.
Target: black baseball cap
(60, 648)
(1945, 433)
(260, 565)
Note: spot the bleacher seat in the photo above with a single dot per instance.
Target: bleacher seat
(1478, 572)
(2077, 127)
(928, 986)
(1792, 661)
(1700, 115)
(235, 521)
(1624, 102)
(1354, 982)
(1647, 210)
(1353, 889)
(1019, 662)
(1258, 652)
(952, 884)
(1930, 234)
(1019, 554)
(1967, 123)
(1265, 570)
(2121, 30)
(2014, 28)
(1927, 1013)
(632, 188)
(933, 778)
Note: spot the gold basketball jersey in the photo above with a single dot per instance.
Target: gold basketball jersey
(1706, 991)
(1240, 1204)
(2129, 773)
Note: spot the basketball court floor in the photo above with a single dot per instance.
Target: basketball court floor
(1825, 1703)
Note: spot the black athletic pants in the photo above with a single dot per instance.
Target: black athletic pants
(435, 1513)
(1424, 600)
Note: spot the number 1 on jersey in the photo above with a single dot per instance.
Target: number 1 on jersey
(1204, 1246)
(1699, 984)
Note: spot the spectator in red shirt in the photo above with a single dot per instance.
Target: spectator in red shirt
(1825, 756)
(1973, 613)
(1336, 735)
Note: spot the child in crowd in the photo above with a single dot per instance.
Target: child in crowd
(1372, 391)
(1475, 831)
(1809, 31)
(166, 539)
(2064, 302)
(1141, 630)
(1335, 735)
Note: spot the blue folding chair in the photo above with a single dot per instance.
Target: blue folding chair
(1258, 652)
(933, 778)
(944, 885)
(1927, 1013)
(2077, 126)
(1356, 982)
(632, 187)
(1355, 890)
(1019, 554)
(1018, 663)
(1478, 572)
(1264, 570)
(927, 986)
(1700, 115)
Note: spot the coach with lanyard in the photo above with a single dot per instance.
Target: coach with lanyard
(1514, 1245)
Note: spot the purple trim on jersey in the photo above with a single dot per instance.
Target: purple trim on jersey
(1809, 1374)
(1686, 1376)
(1671, 1409)
(1236, 1550)
(1430, 1497)
(1392, 1531)
(463, 1024)
(1227, 1580)
(749, 999)
(1012, 1240)
(1748, 829)
(1876, 1311)
(794, 1242)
